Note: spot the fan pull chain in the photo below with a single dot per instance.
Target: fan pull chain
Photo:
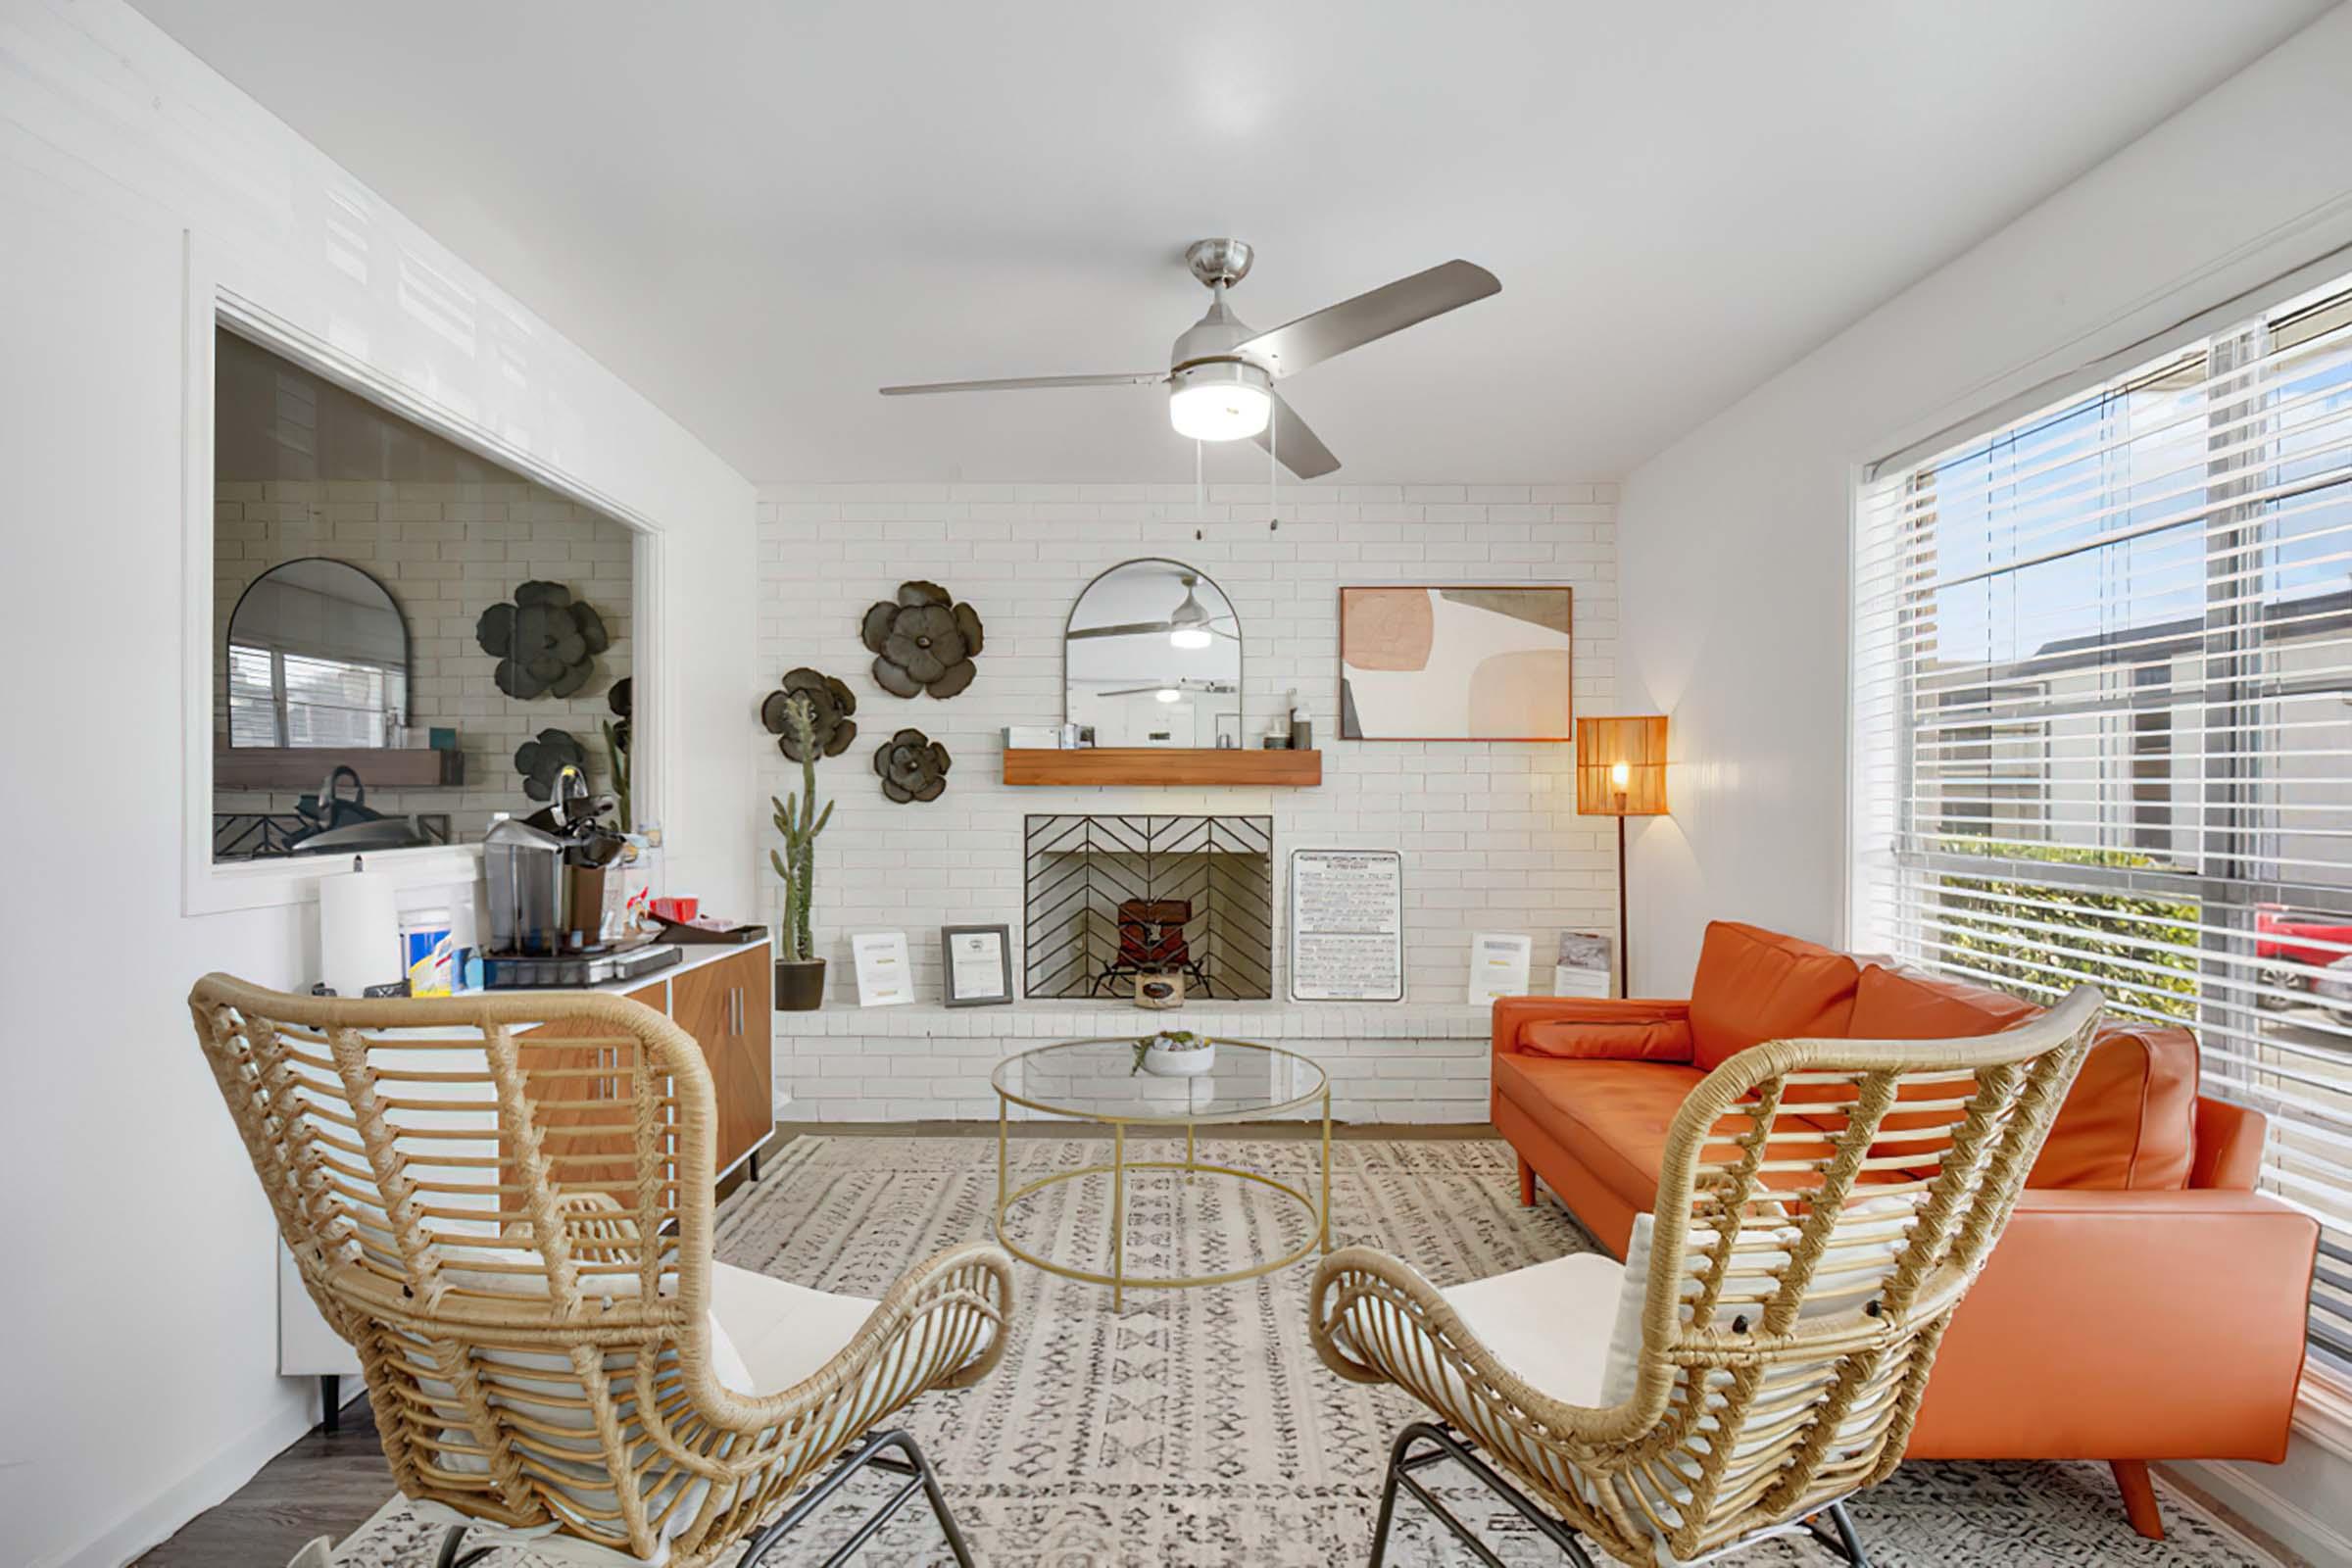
(1199, 488)
(1273, 440)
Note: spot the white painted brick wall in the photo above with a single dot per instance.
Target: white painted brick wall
(1489, 832)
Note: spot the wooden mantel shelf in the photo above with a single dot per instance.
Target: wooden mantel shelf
(1168, 766)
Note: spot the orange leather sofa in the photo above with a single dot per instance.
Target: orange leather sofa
(2145, 1302)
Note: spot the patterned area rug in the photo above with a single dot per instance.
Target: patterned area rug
(1197, 1429)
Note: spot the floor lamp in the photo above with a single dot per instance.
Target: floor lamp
(1621, 772)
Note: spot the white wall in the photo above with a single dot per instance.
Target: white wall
(140, 1386)
(1734, 540)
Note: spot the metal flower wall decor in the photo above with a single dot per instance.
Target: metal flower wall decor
(543, 759)
(922, 640)
(830, 704)
(545, 641)
(912, 766)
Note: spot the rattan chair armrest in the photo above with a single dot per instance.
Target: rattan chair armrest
(972, 1283)
(1366, 1279)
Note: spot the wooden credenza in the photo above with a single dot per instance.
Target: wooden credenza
(726, 1007)
(723, 1002)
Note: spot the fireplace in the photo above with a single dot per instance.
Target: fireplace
(1110, 898)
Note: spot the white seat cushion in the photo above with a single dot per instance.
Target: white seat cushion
(1549, 1322)
(780, 1332)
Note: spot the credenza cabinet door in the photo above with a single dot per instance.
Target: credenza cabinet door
(575, 1086)
(725, 1005)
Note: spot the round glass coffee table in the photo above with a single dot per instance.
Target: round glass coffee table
(1098, 1081)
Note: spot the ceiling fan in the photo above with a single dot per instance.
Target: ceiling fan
(1190, 625)
(1221, 374)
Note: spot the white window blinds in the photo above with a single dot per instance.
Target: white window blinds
(2103, 722)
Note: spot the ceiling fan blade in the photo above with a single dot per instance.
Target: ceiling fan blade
(1134, 628)
(1025, 383)
(1351, 323)
(1294, 444)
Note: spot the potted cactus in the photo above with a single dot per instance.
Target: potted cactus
(800, 972)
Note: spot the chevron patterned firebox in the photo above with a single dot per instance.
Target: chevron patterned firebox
(1111, 898)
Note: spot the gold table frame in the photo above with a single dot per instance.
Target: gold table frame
(1319, 1241)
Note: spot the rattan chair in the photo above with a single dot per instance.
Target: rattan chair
(514, 1230)
(1759, 1357)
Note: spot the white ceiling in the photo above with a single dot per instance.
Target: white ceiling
(757, 213)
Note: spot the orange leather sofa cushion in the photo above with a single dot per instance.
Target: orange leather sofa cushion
(1755, 985)
(2131, 1120)
(1892, 1006)
(2129, 1123)
(1611, 1115)
(1666, 1040)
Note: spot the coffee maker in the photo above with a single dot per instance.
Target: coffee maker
(547, 899)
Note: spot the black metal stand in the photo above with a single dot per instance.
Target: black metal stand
(1444, 1446)
(331, 1402)
(870, 1452)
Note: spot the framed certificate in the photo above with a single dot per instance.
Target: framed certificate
(1499, 962)
(1347, 925)
(976, 962)
(885, 979)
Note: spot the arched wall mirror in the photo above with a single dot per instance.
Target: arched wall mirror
(318, 656)
(1153, 656)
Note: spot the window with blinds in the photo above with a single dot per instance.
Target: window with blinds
(286, 698)
(2103, 722)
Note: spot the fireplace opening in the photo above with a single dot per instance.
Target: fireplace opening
(1108, 900)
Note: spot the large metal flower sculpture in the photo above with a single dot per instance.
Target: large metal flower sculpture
(542, 760)
(623, 699)
(922, 640)
(830, 704)
(545, 641)
(912, 766)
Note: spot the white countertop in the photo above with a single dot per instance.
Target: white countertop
(691, 955)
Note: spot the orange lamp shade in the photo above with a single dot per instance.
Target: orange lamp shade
(1621, 766)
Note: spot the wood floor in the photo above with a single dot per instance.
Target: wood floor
(321, 1486)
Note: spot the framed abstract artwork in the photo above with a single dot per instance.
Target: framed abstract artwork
(1456, 664)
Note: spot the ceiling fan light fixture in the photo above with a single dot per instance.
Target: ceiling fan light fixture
(1190, 637)
(1226, 400)
(1169, 694)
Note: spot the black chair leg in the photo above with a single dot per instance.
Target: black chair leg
(1403, 1462)
(871, 1452)
(449, 1543)
(1388, 1499)
(1849, 1541)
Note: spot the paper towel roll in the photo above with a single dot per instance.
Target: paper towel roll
(359, 932)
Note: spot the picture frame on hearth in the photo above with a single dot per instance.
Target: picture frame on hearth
(975, 965)
(885, 977)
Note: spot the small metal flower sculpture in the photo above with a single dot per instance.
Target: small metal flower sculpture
(922, 640)
(830, 704)
(541, 760)
(545, 641)
(912, 766)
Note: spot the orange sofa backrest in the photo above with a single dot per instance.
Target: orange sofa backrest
(2128, 1122)
(1755, 985)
